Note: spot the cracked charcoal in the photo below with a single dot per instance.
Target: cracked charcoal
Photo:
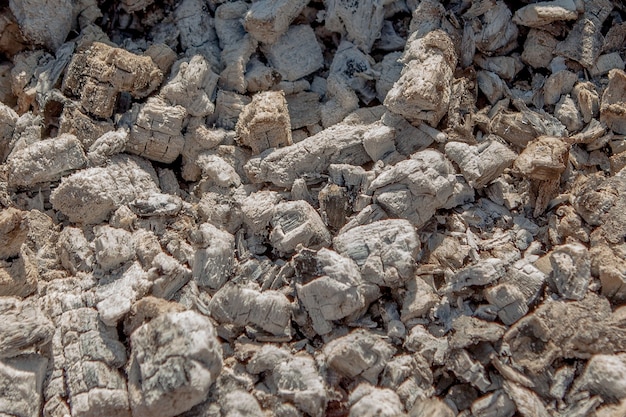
(312, 208)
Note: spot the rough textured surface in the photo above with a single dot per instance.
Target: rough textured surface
(604, 375)
(213, 260)
(339, 144)
(297, 45)
(94, 380)
(385, 251)
(268, 311)
(192, 86)
(423, 91)
(44, 24)
(265, 122)
(370, 401)
(21, 379)
(351, 356)
(296, 223)
(415, 188)
(330, 287)
(285, 208)
(481, 164)
(536, 340)
(45, 161)
(98, 74)
(309, 393)
(23, 327)
(360, 21)
(267, 20)
(91, 195)
(157, 133)
(175, 373)
(613, 102)
(542, 13)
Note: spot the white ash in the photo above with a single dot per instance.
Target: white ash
(310, 208)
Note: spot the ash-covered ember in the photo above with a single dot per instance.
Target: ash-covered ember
(289, 208)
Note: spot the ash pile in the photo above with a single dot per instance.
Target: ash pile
(312, 208)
